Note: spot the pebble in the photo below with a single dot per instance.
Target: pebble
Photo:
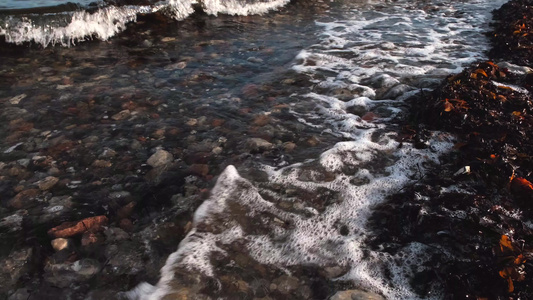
(61, 244)
(16, 265)
(101, 163)
(258, 145)
(13, 222)
(261, 120)
(16, 100)
(47, 183)
(356, 295)
(24, 199)
(199, 169)
(114, 234)
(121, 115)
(289, 146)
(160, 158)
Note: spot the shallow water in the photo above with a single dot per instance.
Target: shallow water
(323, 86)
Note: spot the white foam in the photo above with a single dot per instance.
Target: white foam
(377, 50)
(242, 7)
(69, 28)
(81, 25)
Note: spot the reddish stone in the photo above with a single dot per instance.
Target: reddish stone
(73, 110)
(369, 116)
(159, 133)
(91, 238)
(68, 229)
(24, 198)
(245, 110)
(130, 105)
(173, 131)
(126, 225)
(199, 169)
(218, 122)
(60, 148)
(261, 120)
(126, 210)
(250, 90)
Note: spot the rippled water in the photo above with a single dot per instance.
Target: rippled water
(324, 86)
(21, 4)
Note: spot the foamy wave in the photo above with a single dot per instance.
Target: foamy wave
(373, 53)
(102, 24)
(240, 7)
(68, 28)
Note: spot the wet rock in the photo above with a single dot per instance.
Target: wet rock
(68, 229)
(125, 257)
(261, 120)
(387, 46)
(65, 274)
(191, 122)
(101, 163)
(16, 100)
(334, 271)
(257, 145)
(13, 222)
(356, 295)
(126, 224)
(90, 238)
(397, 91)
(47, 183)
(289, 146)
(313, 141)
(21, 294)
(217, 150)
(126, 210)
(286, 284)
(16, 265)
(160, 158)
(122, 115)
(25, 199)
(61, 244)
(199, 169)
(24, 162)
(114, 234)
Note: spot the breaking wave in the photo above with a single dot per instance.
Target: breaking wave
(69, 27)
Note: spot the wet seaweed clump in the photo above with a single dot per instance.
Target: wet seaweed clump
(474, 211)
(512, 38)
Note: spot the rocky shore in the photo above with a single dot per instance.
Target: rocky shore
(99, 179)
(475, 209)
(96, 193)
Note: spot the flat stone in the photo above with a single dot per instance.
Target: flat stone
(160, 158)
(199, 169)
(356, 295)
(16, 100)
(47, 183)
(13, 222)
(64, 274)
(114, 234)
(24, 199)
(15, 266)
(61, 243)
(258, 145)
(99, 163)
(122, 115)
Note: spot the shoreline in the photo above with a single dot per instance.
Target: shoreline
(474, 208)
(135, 200)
